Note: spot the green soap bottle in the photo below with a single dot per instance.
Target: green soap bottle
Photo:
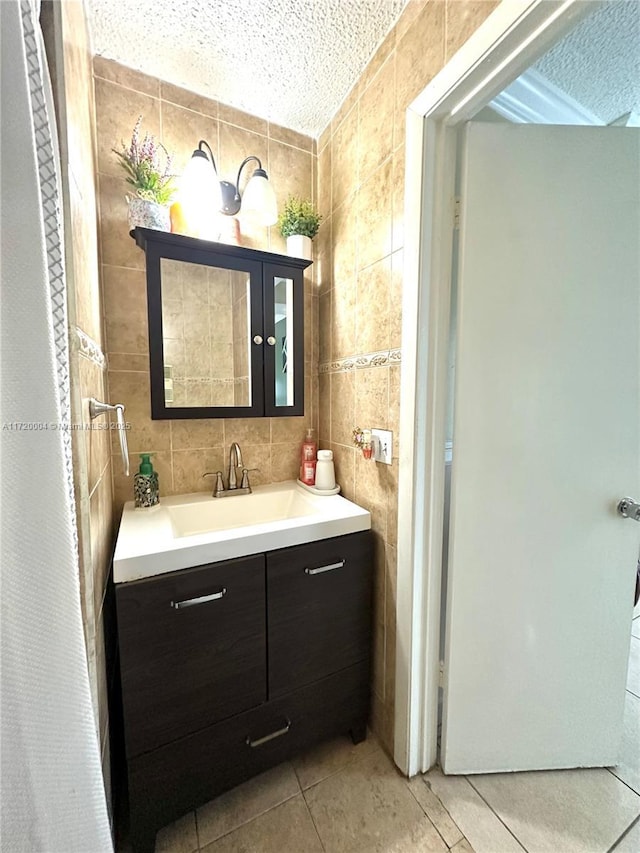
(146, 490)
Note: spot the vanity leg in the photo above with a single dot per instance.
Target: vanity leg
(358, 731)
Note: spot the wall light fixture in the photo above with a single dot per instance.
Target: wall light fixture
(202, 193)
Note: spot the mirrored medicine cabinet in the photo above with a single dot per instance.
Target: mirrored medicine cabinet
(226, 329)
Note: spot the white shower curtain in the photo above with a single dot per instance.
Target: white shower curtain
(52, 790)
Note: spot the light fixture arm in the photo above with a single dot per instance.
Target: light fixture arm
(213, 161)
(242, 165)
(259, 196)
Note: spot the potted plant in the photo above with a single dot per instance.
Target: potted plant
(299, 223)
(148, 166)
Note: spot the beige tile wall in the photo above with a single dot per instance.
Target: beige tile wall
(67, 45)
(186, 449)
(359, 267)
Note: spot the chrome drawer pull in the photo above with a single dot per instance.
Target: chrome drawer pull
(189, 602)
(266, 738)
(328, 568)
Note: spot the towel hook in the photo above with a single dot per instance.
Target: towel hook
(97, 408)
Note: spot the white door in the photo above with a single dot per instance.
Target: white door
(546, 441)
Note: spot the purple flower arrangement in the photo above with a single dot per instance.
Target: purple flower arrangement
(148, 167)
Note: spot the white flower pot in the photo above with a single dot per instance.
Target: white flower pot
(148, 214)
(299, 247)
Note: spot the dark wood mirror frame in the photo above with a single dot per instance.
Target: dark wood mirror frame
(262, 269)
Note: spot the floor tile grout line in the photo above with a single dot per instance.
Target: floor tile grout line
(352, 760)
(624, 834)
(313, 820)
(512, 834)
(195, 817)
(246, 822)
(429, 819)
(297, 777)
(622, 781)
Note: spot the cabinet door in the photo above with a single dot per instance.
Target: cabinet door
(283, 340)
(205, 333)
(319, 609)
(192, 649)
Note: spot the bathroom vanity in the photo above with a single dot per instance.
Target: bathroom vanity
(230, 666)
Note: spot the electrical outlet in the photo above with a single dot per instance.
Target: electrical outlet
(382, 440)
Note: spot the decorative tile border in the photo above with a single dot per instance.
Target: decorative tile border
(90, 349)
(384, 358)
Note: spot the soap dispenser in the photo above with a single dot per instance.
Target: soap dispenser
(309, 447)
(308, 459)
(146, 490)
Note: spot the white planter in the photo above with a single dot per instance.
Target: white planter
(148, 214)
(299, 247)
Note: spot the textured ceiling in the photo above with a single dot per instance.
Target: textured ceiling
(289, 61)
(598, 63)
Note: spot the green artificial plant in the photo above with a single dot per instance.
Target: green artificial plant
(299, 217)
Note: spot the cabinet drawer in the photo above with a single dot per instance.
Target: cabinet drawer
(192, 649)
(319, 609)
(166, 783)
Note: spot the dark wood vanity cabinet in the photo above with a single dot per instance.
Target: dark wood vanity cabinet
(231, 668)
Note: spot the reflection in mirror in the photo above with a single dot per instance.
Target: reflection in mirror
(283, 302)
(205, 335)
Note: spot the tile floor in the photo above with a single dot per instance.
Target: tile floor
(341, 798)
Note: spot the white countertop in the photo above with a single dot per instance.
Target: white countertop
(160, 539)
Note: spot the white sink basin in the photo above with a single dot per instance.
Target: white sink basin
(192, 530)
(200, 516)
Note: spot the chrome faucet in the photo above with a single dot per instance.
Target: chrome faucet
(235, 449)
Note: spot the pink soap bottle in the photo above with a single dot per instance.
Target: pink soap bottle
(309, 447)
(308, 472)
(308, 459)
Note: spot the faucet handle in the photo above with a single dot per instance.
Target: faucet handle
(245, 477)
(219, 486)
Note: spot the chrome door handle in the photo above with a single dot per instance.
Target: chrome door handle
(322, 569)
(267, 738)
(628, 508)
(257, 339)
(190, 602)
(271, 341)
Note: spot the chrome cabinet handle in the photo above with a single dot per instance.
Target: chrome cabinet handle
(267, 738)
(190, 602)
(257, 339)
(271, 341)
(628, 508)
(328, 568)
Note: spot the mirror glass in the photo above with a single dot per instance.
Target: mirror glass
(205, 335)
(284, 340)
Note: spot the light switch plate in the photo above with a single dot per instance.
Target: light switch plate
(382, 440)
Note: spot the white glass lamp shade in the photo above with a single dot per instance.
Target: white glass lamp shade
(200, 197)
(259, 199)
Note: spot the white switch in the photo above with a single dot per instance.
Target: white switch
(382, 440)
